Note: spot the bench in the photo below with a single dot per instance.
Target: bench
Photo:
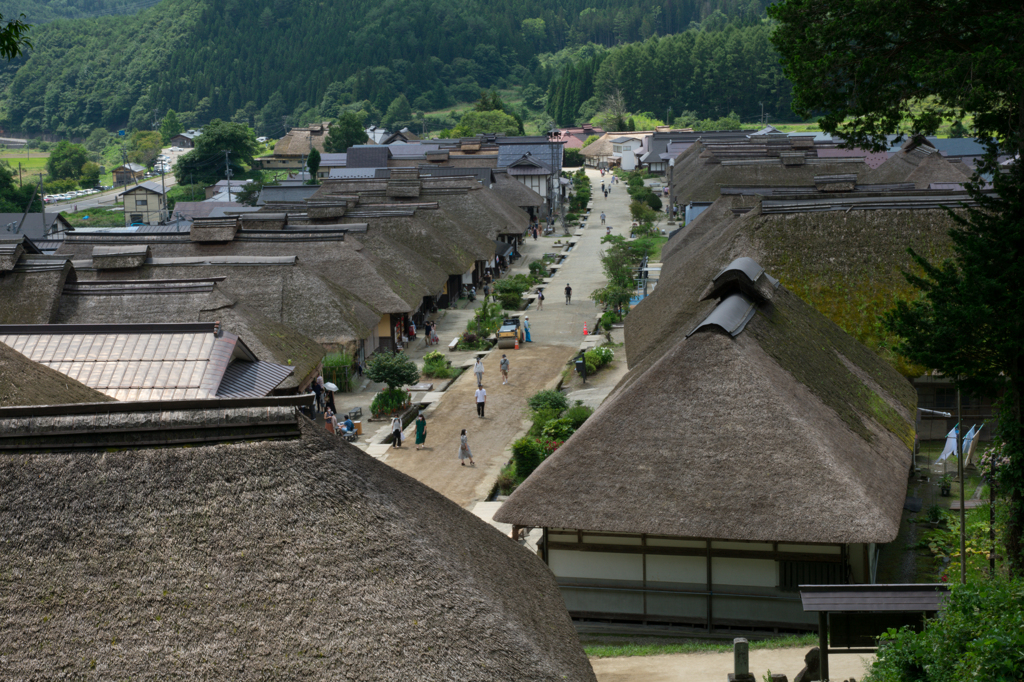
(453, 344)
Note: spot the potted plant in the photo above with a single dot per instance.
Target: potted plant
(946, 484)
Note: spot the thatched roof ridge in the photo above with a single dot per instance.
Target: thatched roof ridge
(297, 559)
(789, 431)
(921, 165)
(23, 382)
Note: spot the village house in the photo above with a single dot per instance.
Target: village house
(128, 173)
(185, 140)
(753, 447)
(144, 204)
(290, 151)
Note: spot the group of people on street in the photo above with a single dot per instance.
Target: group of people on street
(397, 431)
(324, 404)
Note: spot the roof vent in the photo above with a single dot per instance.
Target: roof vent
(743, 275)
(731, 315)
(214, 229)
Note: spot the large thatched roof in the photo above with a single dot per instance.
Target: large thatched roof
(786, 429)
(30, 291)
(698, 174)
(23, 382)
(291, 559)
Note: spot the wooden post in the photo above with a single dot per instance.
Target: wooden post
(823, 645)
(708, 544)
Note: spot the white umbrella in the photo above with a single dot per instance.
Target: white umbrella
(330, 387)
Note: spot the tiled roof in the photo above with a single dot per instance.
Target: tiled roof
(368, 156)
(136, 362)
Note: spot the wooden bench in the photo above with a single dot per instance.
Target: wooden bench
(453, 344)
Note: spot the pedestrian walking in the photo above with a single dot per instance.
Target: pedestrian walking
(568, 294)
(318, 391)
(478, 370)
(602, 185)
(503, 366)
(421, 431)
(602, 217)
(481, 399)
(526, 328)
(540, 300)
(330, 421)
(464, 451)
(606, 194)
(534, 233)
(396, 431)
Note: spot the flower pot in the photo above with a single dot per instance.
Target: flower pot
(945, 490)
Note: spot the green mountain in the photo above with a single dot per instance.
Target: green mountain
(275, 63)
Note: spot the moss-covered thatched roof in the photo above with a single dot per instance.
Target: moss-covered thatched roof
(23, 382)
(789, 431)
(295, 559)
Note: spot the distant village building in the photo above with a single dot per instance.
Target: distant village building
(144, 204)
(291, 150)
(623, 149)
(127, 173)
(186, 140)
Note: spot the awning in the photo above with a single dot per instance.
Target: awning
(502, 248)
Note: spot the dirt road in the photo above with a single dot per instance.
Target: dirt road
(437, 465)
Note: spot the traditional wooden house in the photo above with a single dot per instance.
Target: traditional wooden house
(235, 540)
(753, 447)
(127, 173)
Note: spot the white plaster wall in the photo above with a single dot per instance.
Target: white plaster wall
(595, 565)
(752, 572)
(677, 569)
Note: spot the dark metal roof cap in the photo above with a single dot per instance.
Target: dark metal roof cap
(746, 265)
(744, 275)
(731, 315)
(874, 598)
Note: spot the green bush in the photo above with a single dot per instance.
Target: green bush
(604, 355)
(393, 369)
(558, 429)
(577, 415)
(549, 399)
(540, 419)
(608, 319)
(388, 402)
(979, 636)
(538, 269)
(526, 456)
(653, 200)
(436, 365)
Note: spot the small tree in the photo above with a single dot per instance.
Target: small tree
(344, 133)
(313, 163)
(170, 126)
(90, 174)
(394, 369)
(66, 161)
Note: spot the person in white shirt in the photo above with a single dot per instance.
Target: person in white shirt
(481, 398)
(396, 431)
(478, 370)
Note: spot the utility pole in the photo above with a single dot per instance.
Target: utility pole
(960, 475)
(163, 188)
(41, 202)
(19, 175)
(227, 171)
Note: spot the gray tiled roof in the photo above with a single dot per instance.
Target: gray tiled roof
(511, 149)
(276, 193)
(368, 156)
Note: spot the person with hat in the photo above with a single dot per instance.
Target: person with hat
(526, 328)
(503, 366)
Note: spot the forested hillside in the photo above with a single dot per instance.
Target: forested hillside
(274, 63)
(42, 11)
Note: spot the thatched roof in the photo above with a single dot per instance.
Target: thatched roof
(515, 192)
(30, 293)
(23, 382)
(602, 146)
(786, 429)
(920, 164)
(291, 559)
(297, 141)
(696, 177)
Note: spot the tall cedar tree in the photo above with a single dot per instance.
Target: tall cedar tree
(313, 163)
(886, 66)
